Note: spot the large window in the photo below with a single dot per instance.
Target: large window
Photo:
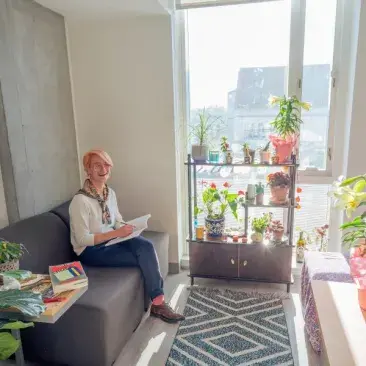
(239, 55)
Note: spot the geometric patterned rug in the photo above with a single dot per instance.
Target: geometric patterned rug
(225, 327)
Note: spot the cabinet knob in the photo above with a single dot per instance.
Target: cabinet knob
(232, 261)
(245, 263)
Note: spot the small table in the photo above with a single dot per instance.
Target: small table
(53, 312)
(342, 323)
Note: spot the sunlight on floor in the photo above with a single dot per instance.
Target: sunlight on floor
(176, 295)
(152, 347)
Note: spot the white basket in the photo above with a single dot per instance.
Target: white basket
(9, 266)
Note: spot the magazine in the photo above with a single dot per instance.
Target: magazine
(139, 224)
(68, 276)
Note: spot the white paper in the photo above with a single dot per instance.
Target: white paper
(140, 224)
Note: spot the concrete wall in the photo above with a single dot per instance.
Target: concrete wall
(38, 152)
(123, 95)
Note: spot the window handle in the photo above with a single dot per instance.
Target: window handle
(245, 263)
(329, 153)
(232, 261)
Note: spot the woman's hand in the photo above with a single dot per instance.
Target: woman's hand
(124, 231)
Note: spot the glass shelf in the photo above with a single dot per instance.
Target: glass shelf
(270, 205)
(194, 163)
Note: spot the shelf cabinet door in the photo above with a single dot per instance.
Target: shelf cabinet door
(259, 262)
(217, 260)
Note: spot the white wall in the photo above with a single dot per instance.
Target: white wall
(123, 98)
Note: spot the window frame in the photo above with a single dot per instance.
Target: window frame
(294, 85)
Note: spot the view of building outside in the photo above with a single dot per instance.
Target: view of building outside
(238, 57)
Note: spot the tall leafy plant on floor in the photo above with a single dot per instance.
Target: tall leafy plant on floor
(28, 303)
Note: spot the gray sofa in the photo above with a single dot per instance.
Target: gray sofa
(96, 328)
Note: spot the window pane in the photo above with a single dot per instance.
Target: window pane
(318, 56)
(237, 58)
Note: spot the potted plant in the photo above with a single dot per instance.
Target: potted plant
(259, 190)
(287, 125)
(277, 230)
(10, 254)
(28, 303)
(321, 237)
(201, 133)
(246, 153)
(215, 204)
(279, 183)
(225, 149)
(259, 226)
(265, 154)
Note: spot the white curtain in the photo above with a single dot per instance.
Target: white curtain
(187, 4)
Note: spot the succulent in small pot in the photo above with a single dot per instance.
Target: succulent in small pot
(265, 154)
(10, 253)
(225, 149)
(277, 230)
(259, 226)
(259, 191)
(249, 154)
(279, 183)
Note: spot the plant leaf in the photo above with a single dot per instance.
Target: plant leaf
(15, 325)
(29, 303)
(351, 180)
(8, 345)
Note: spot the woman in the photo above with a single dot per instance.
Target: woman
(95, 219)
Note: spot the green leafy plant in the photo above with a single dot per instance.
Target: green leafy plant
(287, 121)
(27, 302)
(10, 251)
(224, 145)
(8, 344)
(217, 202)
(259, 188)
(207, 124)
(260, 224)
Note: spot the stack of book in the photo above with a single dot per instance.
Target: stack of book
(68, 276)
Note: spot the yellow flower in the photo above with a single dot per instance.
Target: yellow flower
(305, 105)
(273, 100)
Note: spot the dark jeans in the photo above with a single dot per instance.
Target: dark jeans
(136, 252)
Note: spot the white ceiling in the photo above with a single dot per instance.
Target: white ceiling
(102, 8)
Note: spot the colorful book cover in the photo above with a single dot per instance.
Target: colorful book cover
(67, 276)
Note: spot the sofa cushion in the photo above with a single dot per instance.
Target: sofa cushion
(46, 238)
(95, 329)
(62, 212)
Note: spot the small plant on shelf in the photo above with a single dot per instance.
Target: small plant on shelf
(249, 154)
(265, 154)
(259, 226)
(279, 183)
(225, 149)
(215, 204)
(277, 230)
(259, 193)
(287, 124)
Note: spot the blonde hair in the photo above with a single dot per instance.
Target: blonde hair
(102, 154)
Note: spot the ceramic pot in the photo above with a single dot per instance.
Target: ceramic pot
(279, 195)
(252, 155)
(228, 157)
(257, 238)
(278, 235)
(362, 298)
(284, 152)
(265, 157)
(9, 266)
(200, 153)
(259, 199)
(215, 228)
(300, 251)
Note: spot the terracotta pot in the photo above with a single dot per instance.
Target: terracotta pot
(284, 151)
(279, 194)
(362, 298)
(277, 235)
(265, 157)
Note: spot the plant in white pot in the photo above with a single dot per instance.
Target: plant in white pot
(259, 226)
(10, 254)
(200, 135)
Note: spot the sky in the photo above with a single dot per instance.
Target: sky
(223, 39)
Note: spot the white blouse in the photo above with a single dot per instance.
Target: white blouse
(86, 220)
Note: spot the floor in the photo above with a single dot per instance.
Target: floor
(151, 343)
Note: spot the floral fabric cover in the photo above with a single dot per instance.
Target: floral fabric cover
(325, 267)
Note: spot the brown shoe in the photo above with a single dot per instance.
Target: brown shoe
(166, 313)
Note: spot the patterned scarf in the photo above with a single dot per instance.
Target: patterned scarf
(90, 191)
